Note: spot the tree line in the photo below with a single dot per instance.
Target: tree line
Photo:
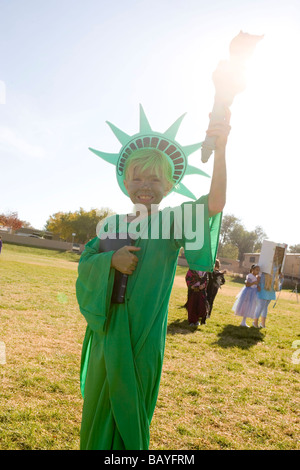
(12, 221)
(235, 240)
(81, 223)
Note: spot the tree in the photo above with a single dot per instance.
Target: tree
(294, 248)
(228, 223)
(229, 251)
(234, 235)
(11, 220)
(243, 240)
(260, 237)
(82, 223)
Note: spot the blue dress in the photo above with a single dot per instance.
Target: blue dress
(246, 300)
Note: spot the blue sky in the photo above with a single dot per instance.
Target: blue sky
(68, 66)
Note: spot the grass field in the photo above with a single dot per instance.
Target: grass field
(222, 387)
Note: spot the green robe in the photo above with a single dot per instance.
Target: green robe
(123, 348)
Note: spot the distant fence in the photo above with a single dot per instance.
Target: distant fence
(38, 242)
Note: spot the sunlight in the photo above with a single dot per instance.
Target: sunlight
(272, 87)
(263, 166)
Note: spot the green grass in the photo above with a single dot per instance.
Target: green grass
(222, 386)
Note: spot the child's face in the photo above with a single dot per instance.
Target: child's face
(255, 271)
(146, 188)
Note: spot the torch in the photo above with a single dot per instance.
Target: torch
(229, 80)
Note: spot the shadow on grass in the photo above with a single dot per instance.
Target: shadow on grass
(181, 327)
(238, 280)
(243, 338)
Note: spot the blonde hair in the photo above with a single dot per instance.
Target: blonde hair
(146, 158)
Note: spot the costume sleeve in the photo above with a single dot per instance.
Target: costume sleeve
(94, 284)
(200, 235)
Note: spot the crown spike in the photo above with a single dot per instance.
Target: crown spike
(144, 123)
(192, 170)
(184, 191)
(188, 149)
(122, 137)
(173, 129)
(108, 157)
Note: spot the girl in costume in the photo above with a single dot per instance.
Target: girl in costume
(123, 348)
(265, 294)
(245, 303)
(197, 305)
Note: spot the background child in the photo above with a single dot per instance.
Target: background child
(216, 279)
(197, 305)
(264, 297)
(245, 303)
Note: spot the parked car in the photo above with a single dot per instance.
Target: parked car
(76, 247)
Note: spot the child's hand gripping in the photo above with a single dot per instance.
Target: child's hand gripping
(220, 130)
(124, 260)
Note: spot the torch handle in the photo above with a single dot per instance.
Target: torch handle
(208, 146)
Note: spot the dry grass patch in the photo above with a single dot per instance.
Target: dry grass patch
(222, 387)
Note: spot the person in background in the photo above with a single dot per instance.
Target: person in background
(246, 300)
(216, 279)
(264, 297)
(197, 305)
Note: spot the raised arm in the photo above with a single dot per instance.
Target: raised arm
(217, 193)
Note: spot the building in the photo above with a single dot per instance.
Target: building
(291, 268)
(249, 259)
